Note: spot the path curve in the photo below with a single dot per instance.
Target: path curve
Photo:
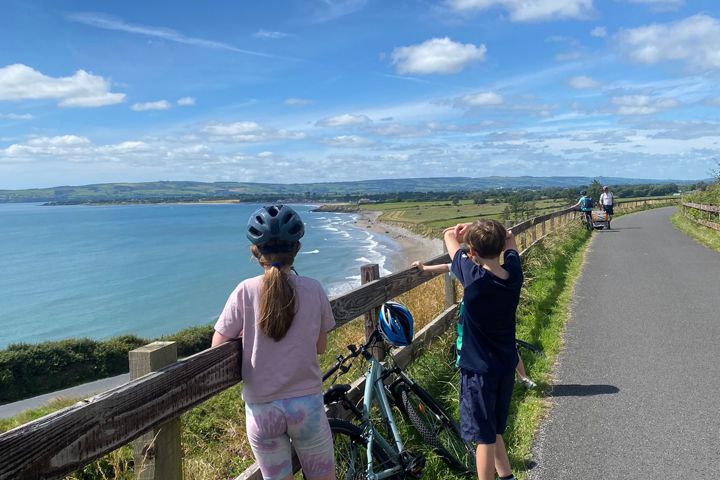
(636, 393)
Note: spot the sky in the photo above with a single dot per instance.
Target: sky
(336, 90)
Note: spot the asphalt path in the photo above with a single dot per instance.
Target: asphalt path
(81, 391)
(636, 392)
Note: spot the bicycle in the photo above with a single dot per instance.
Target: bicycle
(587, 221)
(362, 451)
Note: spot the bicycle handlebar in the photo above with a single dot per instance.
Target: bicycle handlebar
(355, 351)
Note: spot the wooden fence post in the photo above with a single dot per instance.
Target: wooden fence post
(368, 273)
(158, 455)
(449, 286)
(542, 228)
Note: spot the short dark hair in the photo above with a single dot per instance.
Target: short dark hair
(487, 238)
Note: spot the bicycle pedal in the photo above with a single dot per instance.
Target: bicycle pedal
(414, 464)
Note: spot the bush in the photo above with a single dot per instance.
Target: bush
(33, 369)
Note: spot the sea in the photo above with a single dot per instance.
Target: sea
(101, 271)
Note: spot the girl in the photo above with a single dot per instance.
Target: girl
(282, 320)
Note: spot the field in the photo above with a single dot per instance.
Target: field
(432, 216)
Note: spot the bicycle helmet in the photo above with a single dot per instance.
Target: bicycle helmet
(278, 223)
(396, 324)
(583, 192)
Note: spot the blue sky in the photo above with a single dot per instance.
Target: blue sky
(329, 90)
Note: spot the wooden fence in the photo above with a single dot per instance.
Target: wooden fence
(709, 211)
(75, 436)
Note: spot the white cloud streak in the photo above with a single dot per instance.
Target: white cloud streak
(158, 105)
(344, 120)
(599, 32)
(16, 116)
(107, 22)
(268, 35)
(481, 99)
(583, 82)
(248, 132)
(82, 89)
(529, 10)
(186, 101)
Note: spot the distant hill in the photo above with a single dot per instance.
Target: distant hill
(170, 191)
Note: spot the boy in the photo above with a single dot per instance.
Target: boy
(585, 204)
(522, 375)
(488, 356)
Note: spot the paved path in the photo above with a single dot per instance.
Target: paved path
(81, 391)
(637, 387)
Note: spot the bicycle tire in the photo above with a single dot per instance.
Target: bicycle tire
(350, 447)
(437, 428)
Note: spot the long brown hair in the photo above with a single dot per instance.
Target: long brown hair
(277, 297)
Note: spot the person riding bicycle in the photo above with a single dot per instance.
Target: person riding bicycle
(282, 321)
(585, 205)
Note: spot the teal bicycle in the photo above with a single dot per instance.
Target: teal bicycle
(363, 449)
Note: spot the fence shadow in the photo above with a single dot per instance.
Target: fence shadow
(578, 390)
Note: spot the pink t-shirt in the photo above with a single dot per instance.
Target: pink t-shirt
(287, 368)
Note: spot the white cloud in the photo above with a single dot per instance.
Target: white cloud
(349, 141)
(82, 89)
(345, 120)
(248, 132)
(529, 10)
(581, 82)
(16, 116)
(694, 40)
(712, 102)
(600, 32)
(481, 99)
(438, 55)
(332, 9)
(158, 105)
(642, 104)
(267, 35)
(297, 102)
(186, 101)
(567, 56)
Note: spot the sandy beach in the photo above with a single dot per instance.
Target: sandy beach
(412, 246)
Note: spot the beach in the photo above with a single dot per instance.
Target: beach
(412, 246)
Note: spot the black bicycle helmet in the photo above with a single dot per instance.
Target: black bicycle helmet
(279, 223)
(395, 323)
(583, 192)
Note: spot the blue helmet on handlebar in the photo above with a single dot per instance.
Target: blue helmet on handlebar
(396, 324)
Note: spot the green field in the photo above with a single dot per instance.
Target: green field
(432, 216)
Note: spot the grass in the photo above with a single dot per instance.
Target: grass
(703, 235)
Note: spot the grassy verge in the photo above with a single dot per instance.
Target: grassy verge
(703, 235)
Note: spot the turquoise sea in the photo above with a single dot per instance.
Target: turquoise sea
(101, 271)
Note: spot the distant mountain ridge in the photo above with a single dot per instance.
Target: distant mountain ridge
(187, 190)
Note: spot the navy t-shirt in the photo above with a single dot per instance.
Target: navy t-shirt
(488, 320)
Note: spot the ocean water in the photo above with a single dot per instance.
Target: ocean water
(101, 271)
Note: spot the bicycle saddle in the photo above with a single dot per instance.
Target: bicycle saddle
(335, 393)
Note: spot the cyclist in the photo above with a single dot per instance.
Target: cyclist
(283, 321)
(585, 204)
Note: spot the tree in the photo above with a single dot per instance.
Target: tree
(455, 199)
(595, 190)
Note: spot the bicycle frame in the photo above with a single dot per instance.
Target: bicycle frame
(375, 388)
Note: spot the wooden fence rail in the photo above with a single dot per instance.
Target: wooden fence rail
(710, 211)
(75, 436)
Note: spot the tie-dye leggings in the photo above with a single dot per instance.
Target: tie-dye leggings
(272, 426)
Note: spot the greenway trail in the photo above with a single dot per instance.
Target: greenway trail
(637, 388)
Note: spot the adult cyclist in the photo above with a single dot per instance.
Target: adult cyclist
(585, 205)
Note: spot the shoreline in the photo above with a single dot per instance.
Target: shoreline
(412, 246)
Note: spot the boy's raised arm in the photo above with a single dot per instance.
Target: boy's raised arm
(452, 242)
(510, 243)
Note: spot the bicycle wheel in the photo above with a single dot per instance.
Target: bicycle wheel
(351, 452)
(437, 428)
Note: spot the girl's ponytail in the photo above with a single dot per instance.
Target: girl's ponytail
(277, 297)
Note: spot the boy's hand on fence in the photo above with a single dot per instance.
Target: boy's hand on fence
(418, 264)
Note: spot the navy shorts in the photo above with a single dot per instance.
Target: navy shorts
(608, 209)
(484, 405)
